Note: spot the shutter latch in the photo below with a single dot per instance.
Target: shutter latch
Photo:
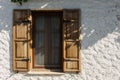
(67, 59)
(27, 59)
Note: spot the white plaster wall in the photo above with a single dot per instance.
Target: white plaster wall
(100, 43)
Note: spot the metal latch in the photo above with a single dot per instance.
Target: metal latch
(67, 59)
(27, 59)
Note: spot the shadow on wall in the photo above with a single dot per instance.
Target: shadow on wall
(98, 25)
(5, 38)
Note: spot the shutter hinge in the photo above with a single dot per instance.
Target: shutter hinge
(26, 21)
(65, 20)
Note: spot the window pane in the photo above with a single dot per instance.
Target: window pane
(55, 24)
(55, 31)
(39, 22)
(47, 41)
(55, 55)
(39, 56)
(39, 40)
(56, 40)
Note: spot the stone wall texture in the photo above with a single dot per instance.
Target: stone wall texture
(100, 39)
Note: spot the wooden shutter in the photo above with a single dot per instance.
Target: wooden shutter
(71, 43)
(21, 38)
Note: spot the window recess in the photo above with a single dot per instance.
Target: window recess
(46, 40)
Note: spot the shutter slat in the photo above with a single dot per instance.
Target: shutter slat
(21, 40)
(71, 41)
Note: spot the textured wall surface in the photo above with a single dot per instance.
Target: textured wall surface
(100, 39)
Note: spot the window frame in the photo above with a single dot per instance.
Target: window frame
(26, 18)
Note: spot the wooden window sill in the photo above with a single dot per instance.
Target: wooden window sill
(45, 72)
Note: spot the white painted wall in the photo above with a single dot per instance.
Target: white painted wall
(100, 44)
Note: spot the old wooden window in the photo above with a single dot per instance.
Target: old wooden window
(46, 39)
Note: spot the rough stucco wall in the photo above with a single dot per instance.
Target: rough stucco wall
(100, 43)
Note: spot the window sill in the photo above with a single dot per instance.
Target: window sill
(45, 72)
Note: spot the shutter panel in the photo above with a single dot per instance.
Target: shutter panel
(71, 43)
(21, 38)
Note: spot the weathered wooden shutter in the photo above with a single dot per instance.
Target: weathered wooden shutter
(71, 43)
(21, 38)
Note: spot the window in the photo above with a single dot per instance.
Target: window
(46, 39)
(47, 45)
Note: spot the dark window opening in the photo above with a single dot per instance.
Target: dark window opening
(47, 40)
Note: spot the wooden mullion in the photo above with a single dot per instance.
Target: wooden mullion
(23, 40)
(70, 40)
(21, 70)
(71, 59)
